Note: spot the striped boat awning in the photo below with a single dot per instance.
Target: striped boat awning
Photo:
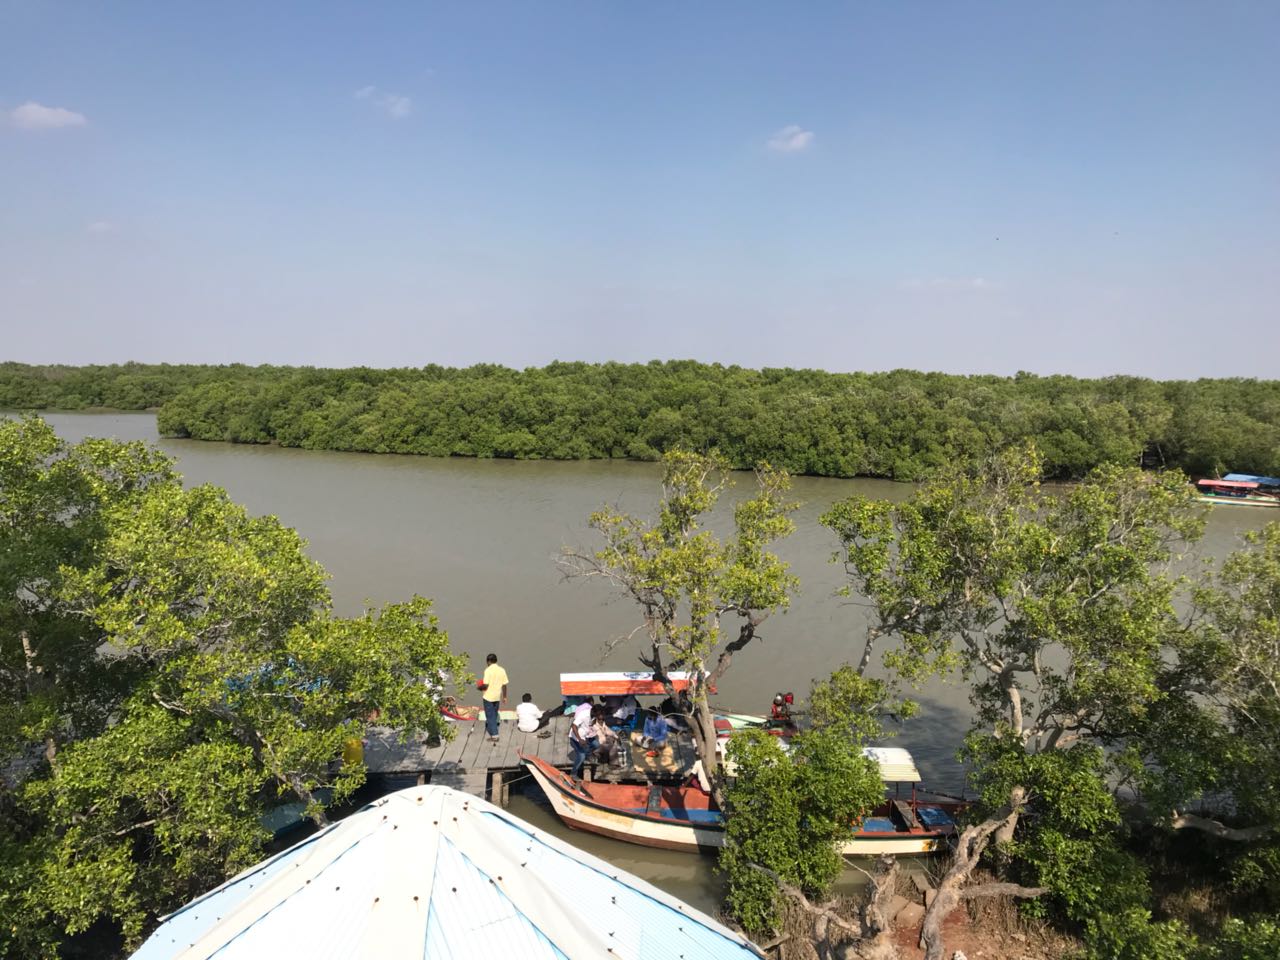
(430, 872)
(896, 764)
(619, 684)
(1230, 484)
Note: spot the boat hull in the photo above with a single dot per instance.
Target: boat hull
(581, 813)
(1240, 501)
(575, 806)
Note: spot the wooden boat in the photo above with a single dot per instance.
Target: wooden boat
(452, 710)
(670, 816)
(1239, 493)
(1265, 484)
(682, 817)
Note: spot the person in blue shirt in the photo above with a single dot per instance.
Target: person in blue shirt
(655, 733)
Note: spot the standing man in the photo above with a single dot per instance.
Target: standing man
(582, 735)
(494, 692)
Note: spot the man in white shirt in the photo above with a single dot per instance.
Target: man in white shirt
(625, 711)
(582, 736)
(527, 715)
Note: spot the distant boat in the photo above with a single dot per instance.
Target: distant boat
(1237, 491)
(686, 818)
(455, 712)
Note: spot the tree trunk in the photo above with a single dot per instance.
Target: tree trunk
(951, 890)
(703, 724)
(1004, 833)
(307, 797)
(698, 717)
(746, 633)
(36, 682)
(1215, 828)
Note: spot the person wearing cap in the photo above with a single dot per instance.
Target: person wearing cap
(493, 692)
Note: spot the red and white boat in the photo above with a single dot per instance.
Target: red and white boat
(1240, 490)
(620, 683)
(680, 817)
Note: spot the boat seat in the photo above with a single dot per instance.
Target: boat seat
(653, 804)
(905, 814)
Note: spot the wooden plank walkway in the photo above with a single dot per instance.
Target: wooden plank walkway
(470, 762)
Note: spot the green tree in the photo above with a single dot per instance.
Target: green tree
(1217, 732)
(686, 581)
(1059, 610)
(788, 811)
(174, 673)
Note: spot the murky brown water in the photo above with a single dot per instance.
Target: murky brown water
(481, 537)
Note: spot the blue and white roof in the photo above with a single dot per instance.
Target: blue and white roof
(1250, 478)
(431, 873)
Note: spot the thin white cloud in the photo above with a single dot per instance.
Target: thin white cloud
(394, 105)
(397, 106)
(99, 227)
(791, 139)
(36, 116)
(948, 283)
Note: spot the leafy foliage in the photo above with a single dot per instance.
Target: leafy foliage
(902, 424)
(788, 812)
(1132, 935)
(1217, 732)
(1071, 838)
(686, 581)
(1060, 611)
(170, 672)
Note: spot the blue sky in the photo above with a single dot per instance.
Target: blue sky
(1086, 188)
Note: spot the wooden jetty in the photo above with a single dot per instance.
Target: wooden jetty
(472, 763)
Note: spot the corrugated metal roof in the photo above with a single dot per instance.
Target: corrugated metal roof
(896, 764)
(429, 872)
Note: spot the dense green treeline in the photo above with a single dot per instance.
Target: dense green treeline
(902, 424)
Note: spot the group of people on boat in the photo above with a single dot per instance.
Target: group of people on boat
(603, 730)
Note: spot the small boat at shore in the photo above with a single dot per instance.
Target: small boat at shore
(456, 712)
(684, 817)
(1240, 490)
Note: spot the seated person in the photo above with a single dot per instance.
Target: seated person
(624, 711)
(606, 738)
(655, 733)
(780, 712)
(528, 716)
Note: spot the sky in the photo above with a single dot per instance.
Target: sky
(1087, 188)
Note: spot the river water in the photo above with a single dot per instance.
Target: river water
(480, 537)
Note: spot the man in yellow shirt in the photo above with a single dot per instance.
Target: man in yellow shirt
(494, 692)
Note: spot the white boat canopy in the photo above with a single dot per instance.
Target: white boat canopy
(896, 764)
(431, 873)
